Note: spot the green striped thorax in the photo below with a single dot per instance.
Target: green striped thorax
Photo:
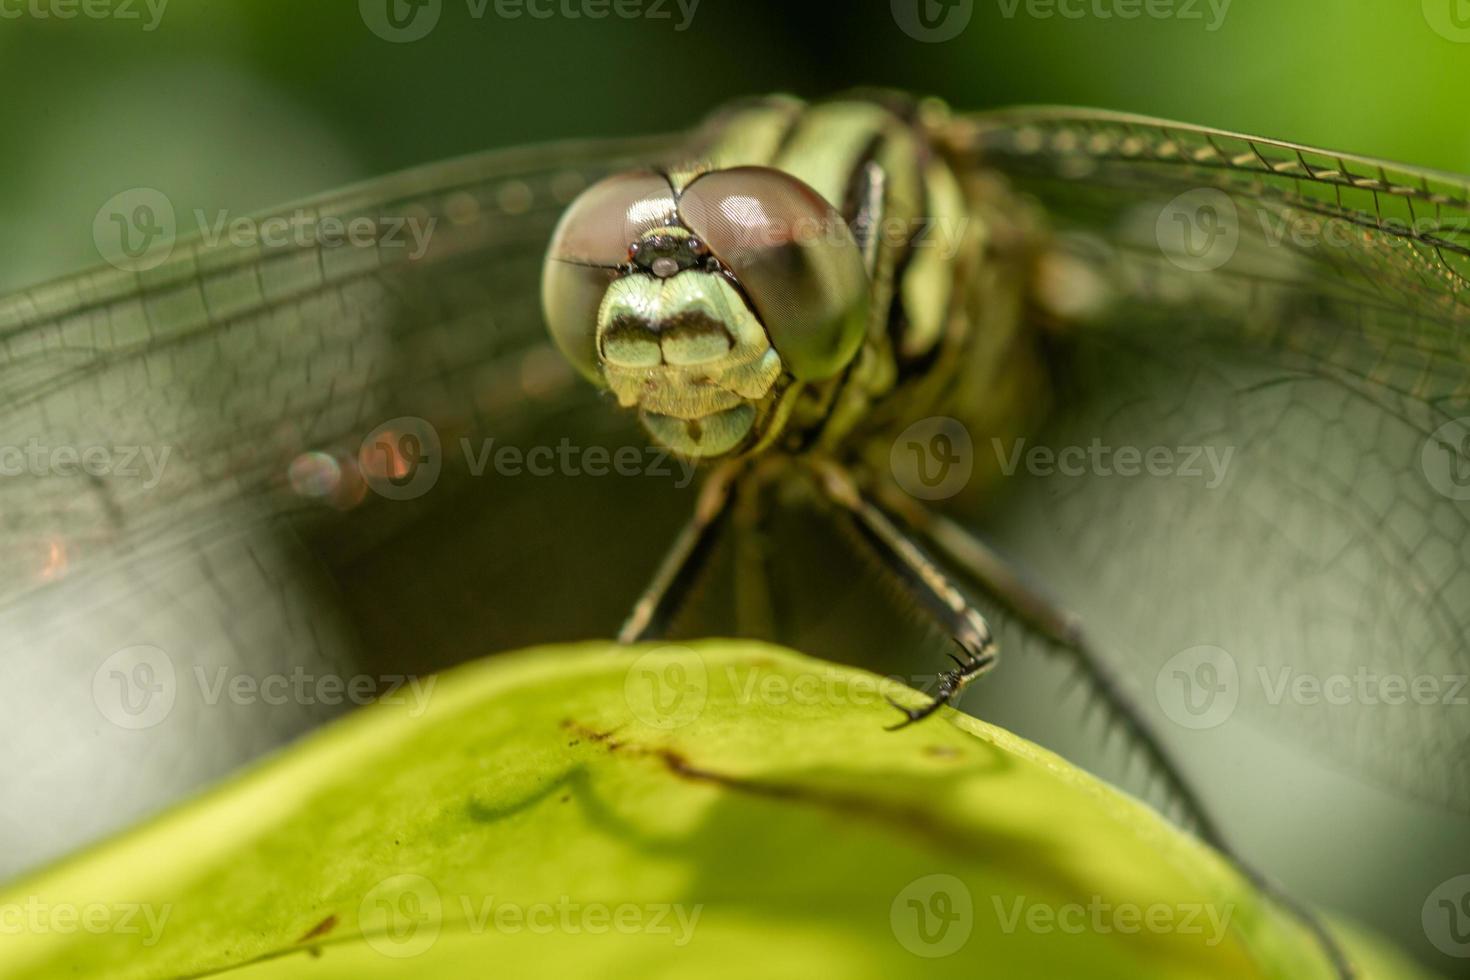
(706, 297)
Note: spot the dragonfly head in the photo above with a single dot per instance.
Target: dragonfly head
(700, 300)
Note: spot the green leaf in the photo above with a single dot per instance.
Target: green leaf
(716, 810)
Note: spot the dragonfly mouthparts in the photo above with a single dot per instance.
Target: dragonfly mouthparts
(666, 252)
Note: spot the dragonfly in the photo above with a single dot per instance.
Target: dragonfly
(956, 335)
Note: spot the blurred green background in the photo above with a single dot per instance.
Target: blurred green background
(240, 104)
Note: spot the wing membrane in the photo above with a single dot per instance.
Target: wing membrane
(253, 373)
(237, 359)
(1305, 312)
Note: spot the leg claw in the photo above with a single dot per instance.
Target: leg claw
(951, 684)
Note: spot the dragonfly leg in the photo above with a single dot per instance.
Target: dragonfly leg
(1015, 590)
(755, 606)
(682, 563)
(937, 594)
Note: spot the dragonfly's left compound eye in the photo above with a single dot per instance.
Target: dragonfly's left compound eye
(794, 256)
(587, 249)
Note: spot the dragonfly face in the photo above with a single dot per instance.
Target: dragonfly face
(702, 297)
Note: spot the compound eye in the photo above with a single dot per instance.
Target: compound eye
(795, 257)
(589, 245)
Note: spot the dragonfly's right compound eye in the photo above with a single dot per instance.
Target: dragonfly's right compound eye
(793, 255)
(588, 248)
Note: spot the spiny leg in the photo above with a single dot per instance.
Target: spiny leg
(1011, 588)
(936, 593)
(1015, 590)
(682, 563)
(755, 606)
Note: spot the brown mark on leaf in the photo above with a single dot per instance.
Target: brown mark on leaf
(593, 735)
(320, 929)
(915, 818)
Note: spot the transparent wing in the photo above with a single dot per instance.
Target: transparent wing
(1255, 481)
(192, 509)
(238, 358)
